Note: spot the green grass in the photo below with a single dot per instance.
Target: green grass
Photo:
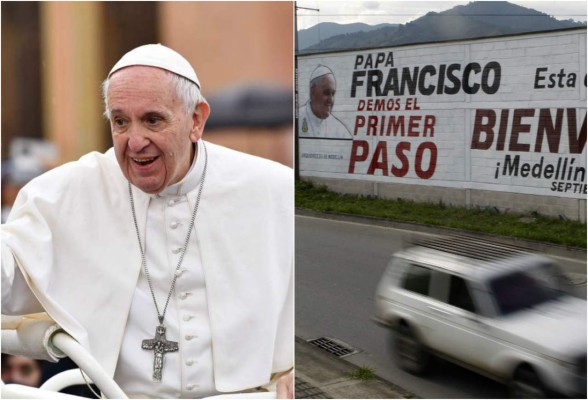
(487, 220)
(363, 374)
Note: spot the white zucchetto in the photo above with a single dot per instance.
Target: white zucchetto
(157, 55)
(320, 71)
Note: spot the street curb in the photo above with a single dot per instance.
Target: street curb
(339, 380)
(534, 245)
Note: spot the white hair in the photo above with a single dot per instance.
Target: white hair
(186, 90)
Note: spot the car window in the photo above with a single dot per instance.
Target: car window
(459, 294)
(526, 289)
(417, 279)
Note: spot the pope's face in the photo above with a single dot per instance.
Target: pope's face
(153, 134)
(322, 96)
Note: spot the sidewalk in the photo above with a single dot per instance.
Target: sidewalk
(320, 375)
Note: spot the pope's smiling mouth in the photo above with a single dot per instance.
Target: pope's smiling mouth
(144, 161)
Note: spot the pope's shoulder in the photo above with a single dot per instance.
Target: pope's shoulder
(91, 161)
(90, 171)
(233, 164)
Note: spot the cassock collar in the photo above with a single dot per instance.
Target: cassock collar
(192, 178)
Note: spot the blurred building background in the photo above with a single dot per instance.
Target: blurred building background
(56, 54)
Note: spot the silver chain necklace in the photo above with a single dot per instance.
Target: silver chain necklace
(159, 344)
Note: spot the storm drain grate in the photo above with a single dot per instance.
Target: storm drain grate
(334, 347)
(305, 390)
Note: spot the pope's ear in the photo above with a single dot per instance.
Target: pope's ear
(199, 118)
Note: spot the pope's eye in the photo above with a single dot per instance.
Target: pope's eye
(153, 120)
(119, 121)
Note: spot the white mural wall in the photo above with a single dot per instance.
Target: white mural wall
(503, 114)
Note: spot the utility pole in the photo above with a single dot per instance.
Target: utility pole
(296, 142)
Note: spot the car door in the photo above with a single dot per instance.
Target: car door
(414, 292)
(415, 298)
(460, 332)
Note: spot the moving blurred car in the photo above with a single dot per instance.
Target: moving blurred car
(494, 309)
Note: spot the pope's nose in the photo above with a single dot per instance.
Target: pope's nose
(137, 141)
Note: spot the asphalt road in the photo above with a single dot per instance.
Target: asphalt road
(338, 265)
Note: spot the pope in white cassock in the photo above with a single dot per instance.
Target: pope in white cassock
(169, 258)
(315, 118)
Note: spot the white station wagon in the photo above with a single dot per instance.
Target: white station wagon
(494, 309)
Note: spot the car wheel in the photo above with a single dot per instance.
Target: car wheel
(526, 385)
(410, 353)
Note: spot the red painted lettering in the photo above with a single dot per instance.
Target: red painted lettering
(359, 152)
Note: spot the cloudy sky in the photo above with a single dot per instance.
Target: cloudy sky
(377, 12)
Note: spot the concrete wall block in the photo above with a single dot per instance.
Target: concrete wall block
(346, 186)
(425, 194)
(580, 214)
(505, 202)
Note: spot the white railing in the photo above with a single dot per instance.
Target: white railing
(39, 338)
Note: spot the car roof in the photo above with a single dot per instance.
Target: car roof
(470, 256)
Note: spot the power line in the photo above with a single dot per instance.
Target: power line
(443, 15)
(306, 8)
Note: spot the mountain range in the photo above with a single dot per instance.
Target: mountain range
(474, 20)
(325, 30)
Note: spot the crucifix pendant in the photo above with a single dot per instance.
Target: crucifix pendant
(160, 345)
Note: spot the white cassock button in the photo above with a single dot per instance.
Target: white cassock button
(183, 295)
(174, 224)
(172, 202)
(179, 272)
(188, 317)
(177, 250)
(191, 386)
(190, 337)
(189, 362)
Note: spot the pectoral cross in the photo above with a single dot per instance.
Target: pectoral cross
(160, 345)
